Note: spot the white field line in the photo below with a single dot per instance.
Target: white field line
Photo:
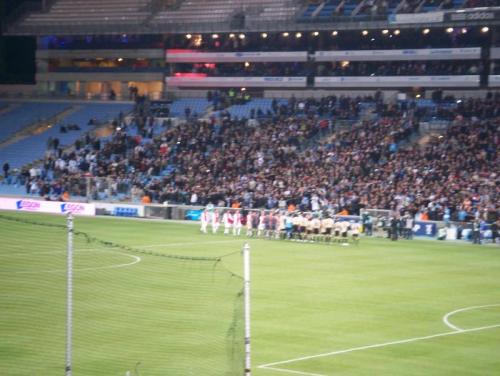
(291, 371)
(190, 243)
(456, 330)
(377, 345)
(137, 259)
(446, 317)
(49, 252)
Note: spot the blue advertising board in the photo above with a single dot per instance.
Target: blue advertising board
(193, 215)
(422, 228)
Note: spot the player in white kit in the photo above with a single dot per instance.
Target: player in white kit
(204, 221)
(227, 220)
(237, 223)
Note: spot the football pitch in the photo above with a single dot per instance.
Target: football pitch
(415, 307)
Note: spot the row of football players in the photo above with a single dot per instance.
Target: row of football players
(277, 225)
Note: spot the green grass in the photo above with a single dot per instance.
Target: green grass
(307, 299)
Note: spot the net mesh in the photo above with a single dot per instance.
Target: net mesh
(134, 310)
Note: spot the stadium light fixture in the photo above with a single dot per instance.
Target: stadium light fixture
(418, 96)
(241, 36)
(449, 30)
(198, 40)
(385, 31)
(215, 36)
(120, 59)
(298, 35)
(247, 64)
(335, 33)
(286, 34)
(397, 32)
(188, 36)
(316, 33)
(263, 35)
(426, 31)
(485, 29)
(364, 33)
(232, 36)
(464, 30)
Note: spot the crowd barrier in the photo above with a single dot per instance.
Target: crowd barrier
(408, 54)
(397, 81)
(200, 81)
(193, 56)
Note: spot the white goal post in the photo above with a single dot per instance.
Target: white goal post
(246, 292)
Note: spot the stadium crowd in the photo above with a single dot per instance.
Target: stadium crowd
(295, 159)
(340, 68)
(412, 68)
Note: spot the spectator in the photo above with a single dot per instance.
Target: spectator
(6, 168)
(287, 160)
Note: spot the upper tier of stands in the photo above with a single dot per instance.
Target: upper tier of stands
(195, 11)
(72, 15)
(94, 12)
(328, 9)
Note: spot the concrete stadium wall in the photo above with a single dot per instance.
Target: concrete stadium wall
(18, 90)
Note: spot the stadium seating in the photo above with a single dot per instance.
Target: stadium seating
(287, 145)
(196, 105)
(329, 8)
(34, 147)
(356, 8)
(221, 10)
(130, 12)
(70, 12)
(241, 111)
(26, 114)
(274, 11)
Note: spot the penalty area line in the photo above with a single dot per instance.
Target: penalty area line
(291, 371)
(373, 346)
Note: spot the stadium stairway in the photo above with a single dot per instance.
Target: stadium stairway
(7, 107)
(27, 114)
(38, 127)
(32, 148)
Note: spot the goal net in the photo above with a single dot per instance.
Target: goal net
(380, 219)
(133, 310)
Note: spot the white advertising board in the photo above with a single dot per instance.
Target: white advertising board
(236, 81)
(470, 53)
(398, 81)
(191, 56)
(40, 206)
